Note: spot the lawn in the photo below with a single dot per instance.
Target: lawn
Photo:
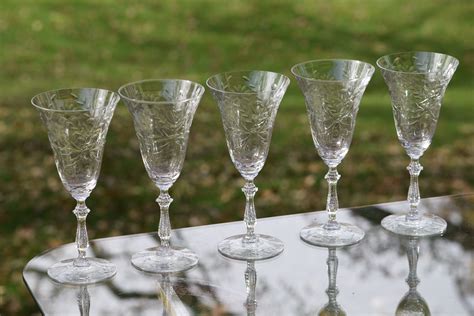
(46, 44)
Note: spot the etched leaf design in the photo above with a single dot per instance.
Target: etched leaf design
(332, 90)
(162, 112)
(417, 83)
(248, 102)
(77, 121)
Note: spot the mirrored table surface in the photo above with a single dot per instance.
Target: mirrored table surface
(385, 274)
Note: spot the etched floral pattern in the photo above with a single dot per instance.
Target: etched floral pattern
(77, 121)
(248, 102)
(162, 132)
(332, 90)
(417, 83)
(162, 116)
(163, 111)
(332, 96)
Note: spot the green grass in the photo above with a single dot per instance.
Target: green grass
(47, 44)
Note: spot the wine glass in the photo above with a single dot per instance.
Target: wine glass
(77, 121)
(417, 82)
(162, 111)
(248, 102)
(332, 89)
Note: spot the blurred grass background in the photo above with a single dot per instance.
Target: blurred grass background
(48, 44)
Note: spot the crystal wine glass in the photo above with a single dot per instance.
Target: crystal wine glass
(77, 121)
(162, 111)
(332, 89)
(417, 82)
(248, 102)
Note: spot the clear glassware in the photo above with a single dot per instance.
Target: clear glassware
(332, 307)
(248, 102)
(163, 111)
(251, 285)
(412, 303)
(172, 303)
(332, 89)
(77, 121)
(417, 82)
(83, 300)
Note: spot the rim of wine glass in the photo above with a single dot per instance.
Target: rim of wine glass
(62, 89)
(241, 71)
(372, 70)
(412, 52)
(200, 86)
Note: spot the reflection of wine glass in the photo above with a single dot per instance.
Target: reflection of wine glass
(83, 300)
(77, 121)
(417, 82)
(248, 102)
(332, 308)
(172, 304)
(332, 90)
(250, 276)
(251, 284)
(162, 113)
(412, 302)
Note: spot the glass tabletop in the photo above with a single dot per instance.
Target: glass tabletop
(382, 275)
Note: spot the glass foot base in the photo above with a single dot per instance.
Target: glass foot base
(94, 270)
(428, 225)
(164, 260)
(346, 235)
(265, 247)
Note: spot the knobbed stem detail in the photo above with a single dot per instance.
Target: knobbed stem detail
(332, 204)
(412, 254)
(251, 282)
(250, 216)
(164, 229)
(414, 191)
(82, 240)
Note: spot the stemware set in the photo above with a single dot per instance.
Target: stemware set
(77, 121)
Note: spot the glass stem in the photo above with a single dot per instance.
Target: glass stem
(251, 282)
(250, 216)
(164, 230)
(83, 301)
(332, 289)
(412, 254)
(82, 240)
(414, 191)
(332, 204)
